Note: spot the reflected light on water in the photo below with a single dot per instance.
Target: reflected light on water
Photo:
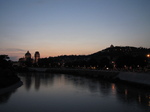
(126, 92)
(113, 88)
(149, 103)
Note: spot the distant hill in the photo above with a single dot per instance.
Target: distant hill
(115, 51)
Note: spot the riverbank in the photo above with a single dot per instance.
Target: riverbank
(113, 76)
(7, 78)
(135, 78)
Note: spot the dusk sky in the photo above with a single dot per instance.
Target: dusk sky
(66, 27)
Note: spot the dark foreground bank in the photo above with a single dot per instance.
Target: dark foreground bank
(8, 78)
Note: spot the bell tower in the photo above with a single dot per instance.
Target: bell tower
(37, 56)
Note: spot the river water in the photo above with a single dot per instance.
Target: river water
(46, 92)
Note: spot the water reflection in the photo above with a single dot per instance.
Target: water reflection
(133, 95)
(36, 80)
(93, 85)
(73, 93)
(28, 81)
(123, 93)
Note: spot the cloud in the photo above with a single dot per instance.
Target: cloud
(13, 53)
(15, 49)
(12, 49)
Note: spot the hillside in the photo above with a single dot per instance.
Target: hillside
(122, 50)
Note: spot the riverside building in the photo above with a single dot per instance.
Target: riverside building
(28, 60)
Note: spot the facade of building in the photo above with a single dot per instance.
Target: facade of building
(28, 60)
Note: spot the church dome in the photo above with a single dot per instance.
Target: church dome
(28, 55)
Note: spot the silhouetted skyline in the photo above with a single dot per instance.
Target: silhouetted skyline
(78, 27)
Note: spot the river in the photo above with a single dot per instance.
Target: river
(46, 92)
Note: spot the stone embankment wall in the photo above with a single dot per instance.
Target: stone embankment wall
(136, 78)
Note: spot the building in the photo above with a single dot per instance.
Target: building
(27, 56)
(28, 60)
(36, 56)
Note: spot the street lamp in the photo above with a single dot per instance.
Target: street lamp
(148, 56)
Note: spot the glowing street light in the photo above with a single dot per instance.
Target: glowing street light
(148, 55)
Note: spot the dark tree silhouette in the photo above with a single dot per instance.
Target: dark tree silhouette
(4, 62)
